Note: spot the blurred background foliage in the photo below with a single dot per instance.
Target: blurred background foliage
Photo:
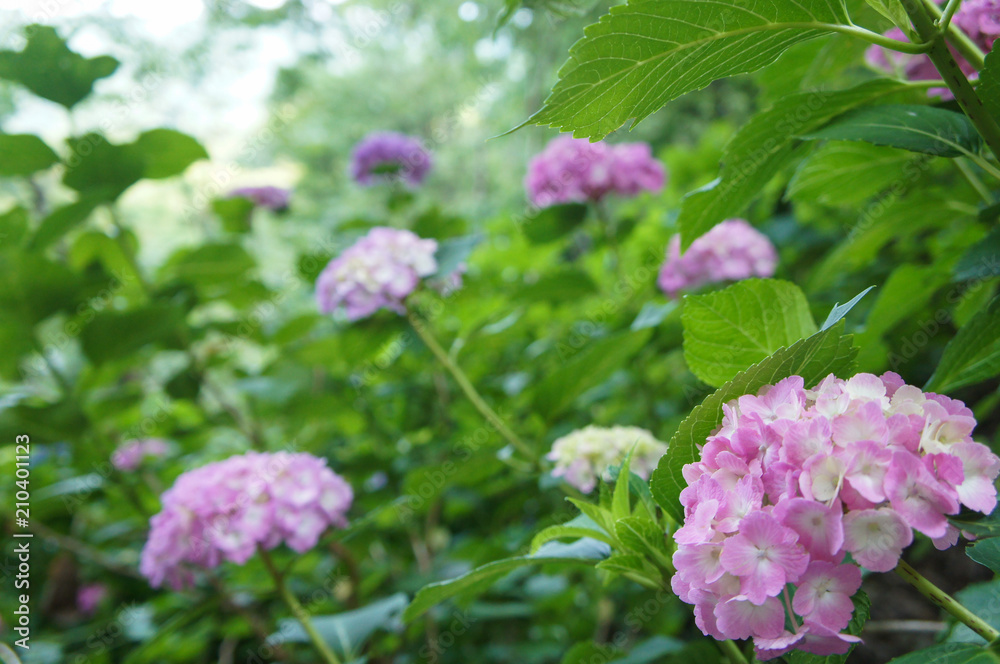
(139, 301)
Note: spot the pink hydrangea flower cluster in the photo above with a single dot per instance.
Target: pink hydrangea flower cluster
(979, 19)
(575, 170)
(378, 271)
(796, 479)
(732, 250)
(131, 453)
(227, 509)
(387, 155)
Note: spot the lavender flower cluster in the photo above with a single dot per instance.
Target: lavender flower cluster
(576, 170)
(795, 480)
(732, 250)
(227, 509)
(272, 198)
(378, 271)
(382, 156)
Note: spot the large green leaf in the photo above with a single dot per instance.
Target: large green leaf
(765, 145)
(167, 152)
(579, 526)
(949, 653)
(553, 222)
(61, 221)
(843, 173)
(885, 221)
(114, 334)
(986, 552)
(648, 52)
(892, 10)
(728, 330)
(102, 168)
(925, 129)
(973, 354)
(981, 600)
(346, 632)
(584, 551)
(49, 69)
(904, 293)
(23, 154)
(813, 358)
(586, 369)
(981, 260)
(33, 287)
(213, 269)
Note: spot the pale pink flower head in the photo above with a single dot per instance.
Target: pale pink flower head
(797, 481)
(979, 19)
(730, 251)
(379, 271)
(226, 510)
(131, 454)
(583, 456)
(574, 170)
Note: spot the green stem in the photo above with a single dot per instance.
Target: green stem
(466, 386)
(956, 81)
(974, 180)
(127, 252)
(962, 43)
(878, 39)
(300, 613)
(732, 651)
(947, 602)
(611, 233)
(948, 13)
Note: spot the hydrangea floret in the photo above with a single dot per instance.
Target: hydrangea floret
(572, 170)
(378, 271)
(731, 251)
(584, 456)
(225, 510)
(384, 156)
(799, 487)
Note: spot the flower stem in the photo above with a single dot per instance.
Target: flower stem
(732, 651)
(300, 613)
(974, 180)
(960, 41)
(945, 62)
(468, 389)
(948, 13)
(947, 602)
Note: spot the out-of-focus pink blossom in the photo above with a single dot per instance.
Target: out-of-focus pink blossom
(731, 251)
(378, 271)
(572, 170)
(227, 509)
(131, 454)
